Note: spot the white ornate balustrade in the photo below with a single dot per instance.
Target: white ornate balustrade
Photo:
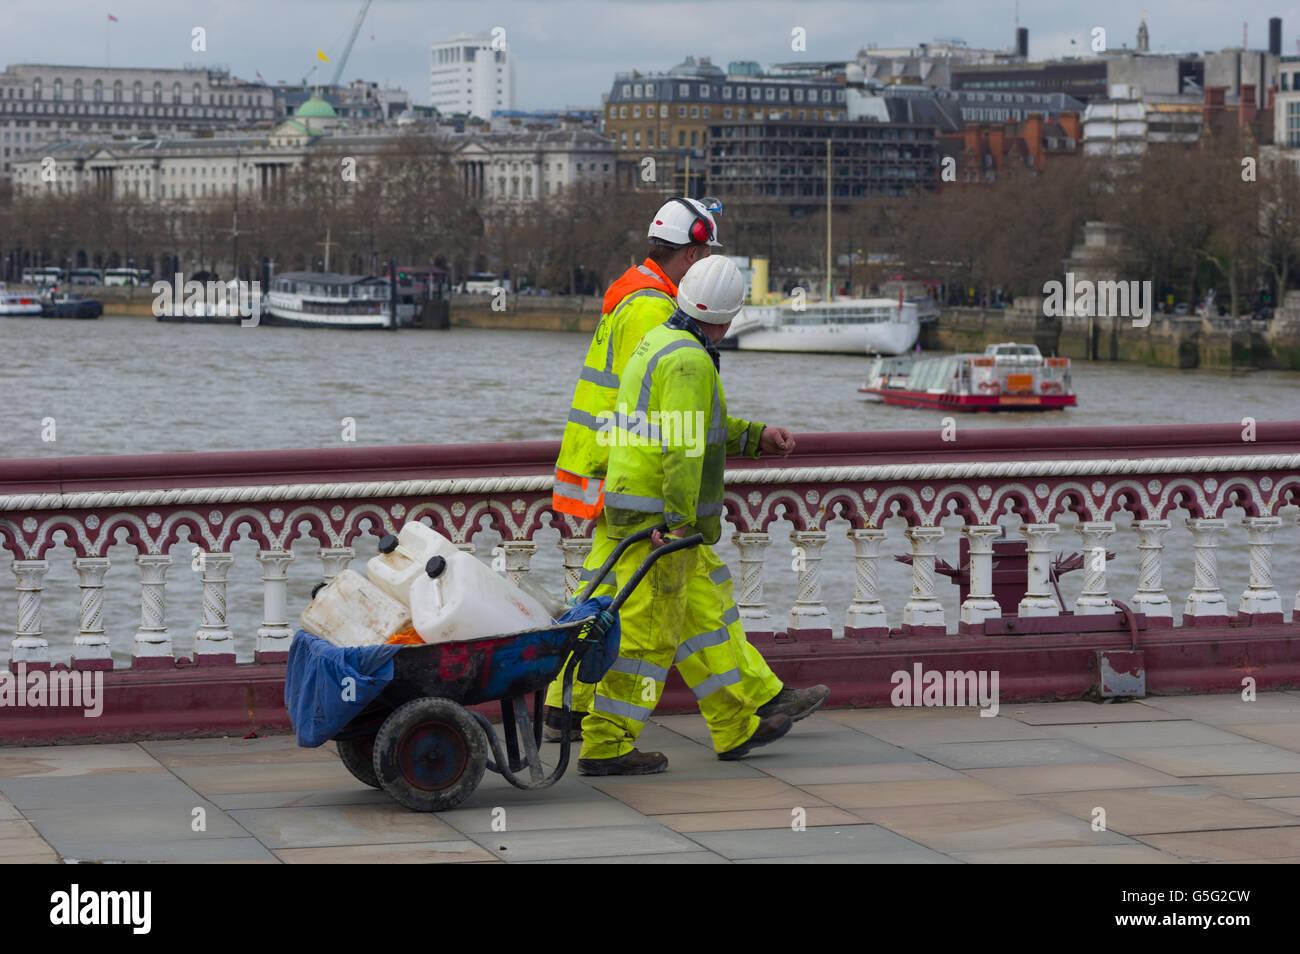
(343, 500)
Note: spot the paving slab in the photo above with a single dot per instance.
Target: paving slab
(1229, 707)
(1243, 758)
(226, 744)
(1143, 811)
(876, 857)
(1242, 844)
(1289, 805)
(826, 744)
(1077, 855)
(673, 858)
(925, 792)
(872, 772)
(964, 729)
(1071, 713)
(192, 850)
(968, 755)
(533, 816)
(19, 839)
(93, 793)
(67, 761)
(327, 826)
(558, 843)
(988, 826)
(1251, 786)
(853, 717)
(651, 797)
(424, 853)
(1284, 735)
(70, 829)
(1031, 779)
(1110, 737)
(847, 843)
(359, 795)
(272, 777)
(7, 810)
(817, 816)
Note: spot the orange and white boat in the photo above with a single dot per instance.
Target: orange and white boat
(1006, 377)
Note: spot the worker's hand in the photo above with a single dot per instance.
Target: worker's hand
(657, 539)
(776, 440)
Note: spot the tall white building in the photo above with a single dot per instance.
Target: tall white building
(466, 75)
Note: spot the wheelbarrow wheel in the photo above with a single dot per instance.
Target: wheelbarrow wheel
(430, 755)
(358, 757)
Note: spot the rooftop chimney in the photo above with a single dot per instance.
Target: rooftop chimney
(1022, 42)
(1275, 35)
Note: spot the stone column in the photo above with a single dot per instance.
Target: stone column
(1094, 600)
(519, 555)
(1150, 597)
(923, 609)
(575, 550)
(809, 613)
(213, 636)
(91, 643)
(753, 608)
(1039, 599)
(865, 614)
(1205, 605)
(151, 639)
(980, 604)
(334, 560)
(275, 633)
(29, 644)
(1260, 602)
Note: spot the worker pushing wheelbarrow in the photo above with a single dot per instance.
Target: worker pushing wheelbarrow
(399, 716)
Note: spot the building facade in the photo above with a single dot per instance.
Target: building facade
(42, 104)
(472, 73)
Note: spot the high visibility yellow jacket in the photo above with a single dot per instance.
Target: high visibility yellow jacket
(670, 438)
(640, 299)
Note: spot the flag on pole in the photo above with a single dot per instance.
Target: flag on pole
(320, 55)
(113, 18)
(259, 76)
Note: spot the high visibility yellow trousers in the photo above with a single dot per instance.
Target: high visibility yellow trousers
(757, 681)
(675, 617)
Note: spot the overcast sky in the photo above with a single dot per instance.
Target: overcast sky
(566, 52)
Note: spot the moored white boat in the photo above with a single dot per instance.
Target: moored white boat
(328, 300)
(17, 304)
(843, 326)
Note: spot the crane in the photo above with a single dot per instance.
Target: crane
(347, 50)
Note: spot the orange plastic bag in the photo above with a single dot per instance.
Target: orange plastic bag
(407, 637)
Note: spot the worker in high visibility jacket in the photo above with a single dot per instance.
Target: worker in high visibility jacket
(682, 233)
(670, 438)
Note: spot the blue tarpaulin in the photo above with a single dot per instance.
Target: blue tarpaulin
(319, 700)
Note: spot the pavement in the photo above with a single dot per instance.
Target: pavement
(1165, 780)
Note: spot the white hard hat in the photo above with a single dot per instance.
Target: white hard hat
(685, 222)
(712, 290)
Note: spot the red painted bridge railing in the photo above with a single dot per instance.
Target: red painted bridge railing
(1050, 479)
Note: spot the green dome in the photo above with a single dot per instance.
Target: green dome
(316, 108)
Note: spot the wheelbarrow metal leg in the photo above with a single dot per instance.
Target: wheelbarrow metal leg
(528, 738)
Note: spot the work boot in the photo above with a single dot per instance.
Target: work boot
(629, 763)
(796, 703)
(552, 730)
(769, 730)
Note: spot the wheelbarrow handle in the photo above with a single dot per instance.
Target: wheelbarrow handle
(684, 543)
(613, 558)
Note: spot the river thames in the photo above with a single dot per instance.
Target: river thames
(125, 385)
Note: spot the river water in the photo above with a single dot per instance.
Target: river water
(125, 385)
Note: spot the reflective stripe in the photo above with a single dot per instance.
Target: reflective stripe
(639, 667)
(744, 441)
(721, 575)
(690, 647)
(715, 682)
(647, 271)
(731, 616)
(708, 510)
(716, 435)
(643, 401)
(626, 710)
(639, 426)
(588, 495)
(584, 419)
(604, 379)
(588, 575)
(633, 502)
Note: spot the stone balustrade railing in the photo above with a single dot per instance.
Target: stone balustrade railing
(338, 496)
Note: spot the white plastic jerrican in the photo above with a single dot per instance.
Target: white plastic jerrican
(467, 600)
(395, 572)
(352, 611)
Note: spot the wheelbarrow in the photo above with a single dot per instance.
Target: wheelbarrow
(420, 743)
